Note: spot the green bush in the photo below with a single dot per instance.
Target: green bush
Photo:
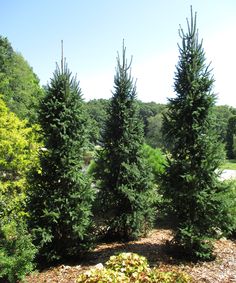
(131, 267)
(16, 252)
(128, 263)
(156, 160)
(173, 276)
(228, 198)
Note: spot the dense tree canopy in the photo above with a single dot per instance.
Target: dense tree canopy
(18, 83)
(96, 110)
(231, 138)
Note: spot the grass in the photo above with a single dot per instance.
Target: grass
(229, 164)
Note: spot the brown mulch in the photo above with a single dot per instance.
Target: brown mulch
(221, 270)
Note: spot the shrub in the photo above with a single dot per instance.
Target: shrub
(16, 252)
(128, 263)
(131, 267)
(228, 198)
(156, 160)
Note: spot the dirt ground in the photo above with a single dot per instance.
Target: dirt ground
(222, 269)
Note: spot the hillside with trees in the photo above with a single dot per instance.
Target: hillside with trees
(19, 85)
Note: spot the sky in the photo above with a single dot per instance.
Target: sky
(93, 31)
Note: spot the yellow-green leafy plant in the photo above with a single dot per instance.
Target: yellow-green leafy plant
(128, 263)
(131, 268)
(18, 153)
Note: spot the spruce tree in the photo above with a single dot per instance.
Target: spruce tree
(191, 180)
(126, 190)
(61, 197)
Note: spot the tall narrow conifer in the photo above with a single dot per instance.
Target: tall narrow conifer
(191, 179)
(61, 197)
(126, 190)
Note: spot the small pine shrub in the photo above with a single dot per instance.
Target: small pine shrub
(131, 267)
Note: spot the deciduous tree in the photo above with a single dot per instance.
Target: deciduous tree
(18, 83)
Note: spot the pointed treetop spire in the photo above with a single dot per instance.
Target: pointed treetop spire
(62, 57)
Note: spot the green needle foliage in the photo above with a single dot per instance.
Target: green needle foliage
(191, 180)
(126, 188)
(61, 197)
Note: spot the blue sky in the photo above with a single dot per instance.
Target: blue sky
(93, 30)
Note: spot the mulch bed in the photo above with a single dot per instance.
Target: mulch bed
(221, 270)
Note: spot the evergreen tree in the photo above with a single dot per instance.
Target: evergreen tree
(191, 179)
(61, 196)
(126, 190)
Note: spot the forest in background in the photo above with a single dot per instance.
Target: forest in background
(20, 89)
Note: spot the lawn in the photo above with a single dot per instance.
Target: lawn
(229, 164)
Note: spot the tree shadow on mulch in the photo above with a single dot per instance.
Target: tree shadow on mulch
(157, 252)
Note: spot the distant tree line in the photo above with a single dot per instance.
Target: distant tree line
(151, 114)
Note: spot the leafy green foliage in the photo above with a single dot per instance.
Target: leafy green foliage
(191, 180)
(156, 160)
(131, 267)
(96, 109)
(61, 196)
(18, 83)
(229, 227)
(222, 114)
(148, 110)
(128, 263)
(16, 252)
(18, 153)
(230, 138)
(126, 191)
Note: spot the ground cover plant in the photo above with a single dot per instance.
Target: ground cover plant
(131, 267)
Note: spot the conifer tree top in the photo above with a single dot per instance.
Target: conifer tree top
(123, 74)
(192, 75)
